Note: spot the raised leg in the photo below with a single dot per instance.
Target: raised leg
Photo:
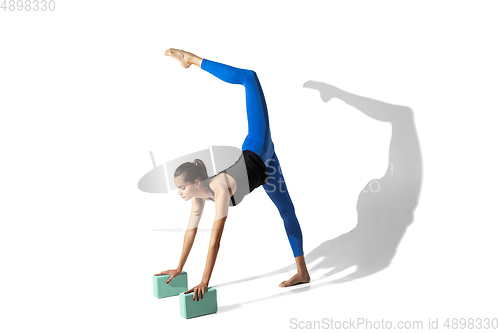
(258, 139)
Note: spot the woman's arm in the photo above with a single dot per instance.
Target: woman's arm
(221, 196)
(189, 236)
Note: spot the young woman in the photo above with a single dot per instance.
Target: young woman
(258, 165)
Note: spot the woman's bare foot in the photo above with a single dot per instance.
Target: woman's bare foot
(185, 58)
(301, 277)
(296, 279)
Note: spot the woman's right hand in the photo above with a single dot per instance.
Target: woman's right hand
(172, 272)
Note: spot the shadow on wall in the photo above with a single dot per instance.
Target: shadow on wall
(385, 206)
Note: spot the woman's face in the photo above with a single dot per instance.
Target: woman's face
(186, 190)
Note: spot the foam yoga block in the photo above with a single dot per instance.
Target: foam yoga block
(207, 305)
(173, 288)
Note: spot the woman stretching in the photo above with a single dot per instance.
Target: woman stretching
(258, 165)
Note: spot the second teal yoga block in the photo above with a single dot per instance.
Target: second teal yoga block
(173, 288)
(207, 305)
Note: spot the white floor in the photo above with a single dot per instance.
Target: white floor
(90, 104)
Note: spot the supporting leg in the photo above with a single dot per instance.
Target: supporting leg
(276, 189)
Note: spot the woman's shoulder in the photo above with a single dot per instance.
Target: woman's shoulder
(219, 181)
(223, 182)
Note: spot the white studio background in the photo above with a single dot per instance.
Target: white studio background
(87, 94)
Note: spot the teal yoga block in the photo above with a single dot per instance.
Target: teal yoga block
(207, 305)
(173, 288)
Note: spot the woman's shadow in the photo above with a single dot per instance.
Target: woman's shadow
(385, 206)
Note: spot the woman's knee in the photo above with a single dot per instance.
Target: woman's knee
(289, 214)
(286, 209)
(250, 76)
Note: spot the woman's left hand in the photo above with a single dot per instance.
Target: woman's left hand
(199, 290)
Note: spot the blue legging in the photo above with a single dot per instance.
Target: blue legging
(259, 141)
